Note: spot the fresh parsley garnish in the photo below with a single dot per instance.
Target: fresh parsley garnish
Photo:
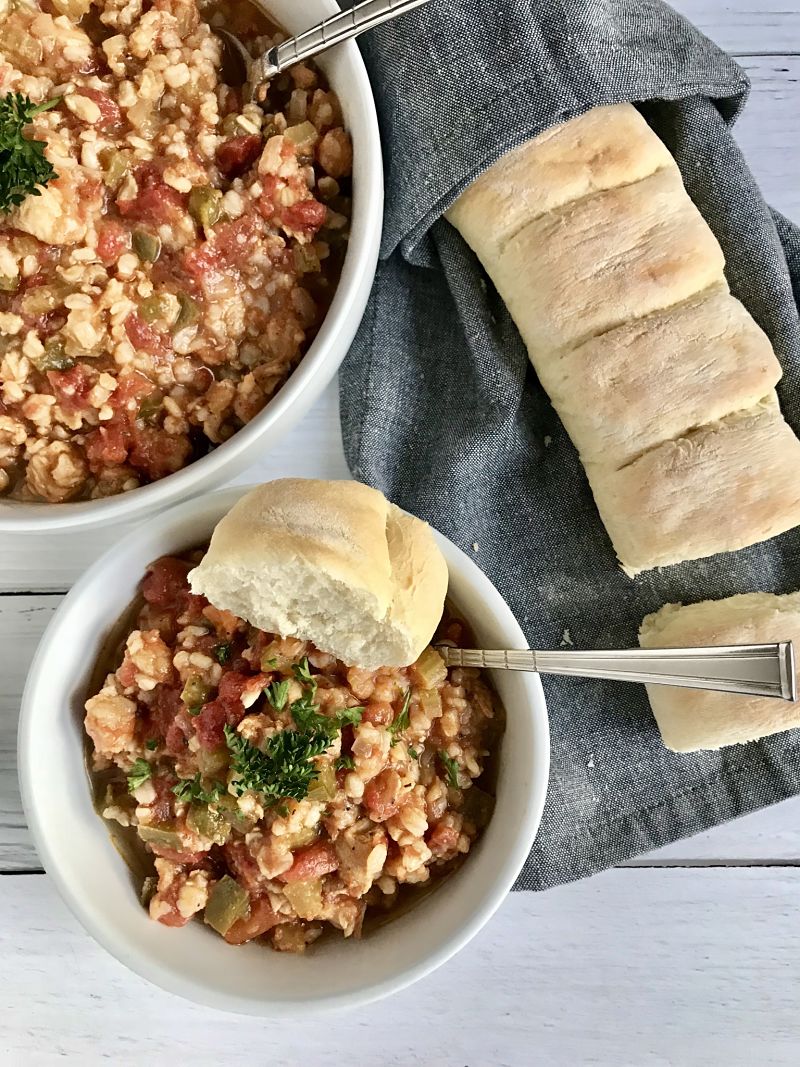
(190, 789)
(277, 693)
(194, 710)
(139, 774)
(284, 769)
(152, 744)
(23, 164)
(302, 672)
(222, 652)
(451, 768)
(309, 719)
(413, 753)
(345, 763)
(401, 720)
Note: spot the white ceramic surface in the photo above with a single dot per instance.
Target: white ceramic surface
(75, 848)
(348, 77)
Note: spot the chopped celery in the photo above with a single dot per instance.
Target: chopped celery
(205, 204)
(430, 700)
(161, 835)
(299, 838)
(195, 691)
(303, 135)
(227, 903)
(211, 762)
(147, 246)
(306, 260)
(305, 897)
(323, 787)
(209, 823)
(430, 669)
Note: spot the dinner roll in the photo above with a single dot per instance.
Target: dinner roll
(330, 562)
(692, 719)
(663, 380)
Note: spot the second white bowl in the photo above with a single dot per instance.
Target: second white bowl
(77, 852)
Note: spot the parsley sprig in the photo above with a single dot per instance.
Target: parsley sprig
(191, 789)
(23, 164)
(140, 772)
(401, 720)
(284, 769)
(451, 768)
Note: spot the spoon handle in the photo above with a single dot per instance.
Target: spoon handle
(755, 670)
(333, 30)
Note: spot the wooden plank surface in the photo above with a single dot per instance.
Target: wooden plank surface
(747, 26)
(644, 968)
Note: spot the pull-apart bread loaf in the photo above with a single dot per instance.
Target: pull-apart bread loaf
(691, 719)
(663, 380)
(330, 562)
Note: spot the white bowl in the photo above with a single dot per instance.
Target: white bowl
(348, 77)
(76, 850)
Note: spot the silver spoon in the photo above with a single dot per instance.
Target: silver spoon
(239, 68)
(754, 670)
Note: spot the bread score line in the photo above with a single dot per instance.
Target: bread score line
(692, 719)
(663, 380)
(334, 563)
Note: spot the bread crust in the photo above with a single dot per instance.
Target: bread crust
(330, 562)
(691, 719)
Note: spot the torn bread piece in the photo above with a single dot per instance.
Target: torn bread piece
(606, 260)
(657, 378)
(604, 148)
(330, 562)
(691, 719)
(726, 485)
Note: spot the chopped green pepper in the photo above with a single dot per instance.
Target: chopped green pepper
(147, 246)
(157, 306)
(233, 814)
(195, 691)
(305, 897)
(323, 787)
(188, 313)
(208, 823)
(117, 166)
(54, 356)
(306, 260)
(150, 408)
(304, 134)
(161, 835)
(205, 204)
(227, 903)
(8, 282)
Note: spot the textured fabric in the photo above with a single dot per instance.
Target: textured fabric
(442, 411)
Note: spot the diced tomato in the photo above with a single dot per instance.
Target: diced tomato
(110, 115)
(155, 201)
(304, 217)
(178, 733)
(195, 608)
(158, 453)
(382, 795)
(72, 387)
(378, 712)
(165, 583)
(443, 839)
(233, 241)
(204, 265)
(312, 862)
(164, 708)
(112, 240)
(243, 865)
(145, 337)
(227, 709)
(260, 919)
(106, 446)
(163, 806)
(237, 155)
(130, 389)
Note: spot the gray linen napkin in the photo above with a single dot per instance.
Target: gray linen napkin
(441, 410)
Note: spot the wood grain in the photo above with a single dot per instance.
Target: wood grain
(630, 968)
(747, 26)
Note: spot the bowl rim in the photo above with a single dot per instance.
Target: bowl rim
(170, 979)
(312, 375)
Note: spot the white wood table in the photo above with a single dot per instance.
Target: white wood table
(687, 956)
